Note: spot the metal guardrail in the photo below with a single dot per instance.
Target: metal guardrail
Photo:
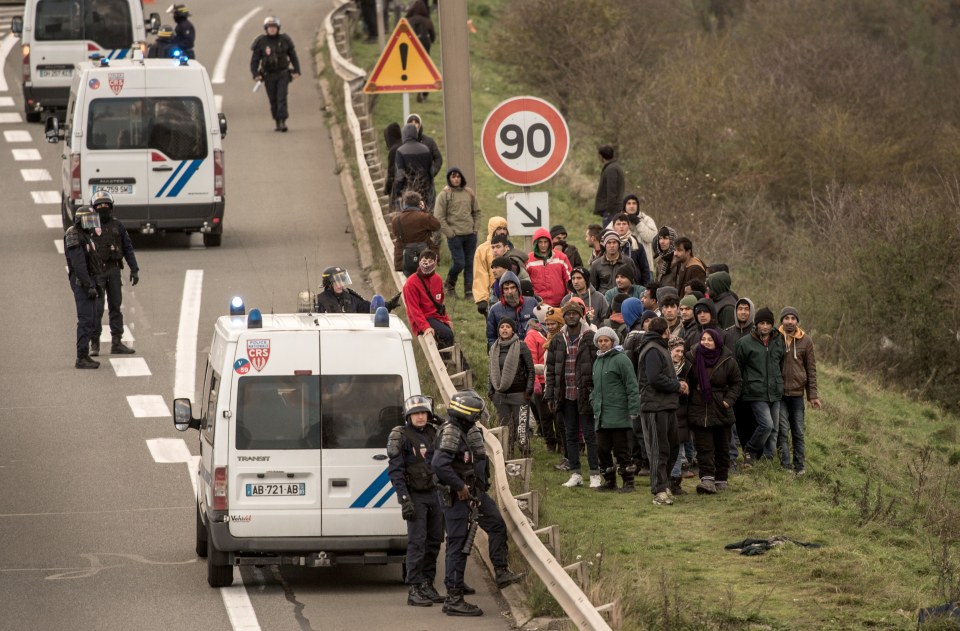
(521, 527)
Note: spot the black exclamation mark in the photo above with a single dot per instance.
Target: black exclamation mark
(404, 49)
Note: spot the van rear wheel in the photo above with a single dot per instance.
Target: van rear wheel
(201, 536)
(31, 116)
(219, 571)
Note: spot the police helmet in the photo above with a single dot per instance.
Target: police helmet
(180, 11)
(165, 32)
(467, 407)
(101, 197)
(271, 20)
(417, 403)
(86, 219)
(335, 274)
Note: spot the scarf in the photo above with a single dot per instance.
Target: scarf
(618, 348)
(705, 359)
(502, 378)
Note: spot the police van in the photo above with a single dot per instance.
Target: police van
(147, 131)
(58, 34)
(294, 417)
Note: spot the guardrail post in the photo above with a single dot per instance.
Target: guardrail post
(521, 468)
(613, 611)
(553, 538)
(581, 571)
(529, 503)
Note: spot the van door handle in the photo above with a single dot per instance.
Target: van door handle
(338, 482)
(163, 168)
(380, 457)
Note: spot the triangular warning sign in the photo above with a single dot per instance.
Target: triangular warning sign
(404, 65)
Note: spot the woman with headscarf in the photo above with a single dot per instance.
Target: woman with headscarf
(510, 383)
(715, 384)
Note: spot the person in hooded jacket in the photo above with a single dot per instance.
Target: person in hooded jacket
(549, 269)
(665, 272)
(559, 235)
(511, 378)
(482, 259)
(423, 297)
(513, 305)
(799, 378)
(428, 142)
(413, 224)
(745, 423)
(459, 216)
(616, 404)
(706, 318)
(414, 167)
(724, 300)
(418, 16)
(392, 138)
(596, 305)
(715, 384)
(631, 248)
(642, 226)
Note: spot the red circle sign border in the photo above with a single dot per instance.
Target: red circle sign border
(557, 125)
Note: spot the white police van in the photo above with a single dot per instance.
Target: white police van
(56, 35)
(147, 131)
(293, 420)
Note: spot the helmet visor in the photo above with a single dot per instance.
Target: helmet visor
(342, 277)
(417, 403)
(88, 220)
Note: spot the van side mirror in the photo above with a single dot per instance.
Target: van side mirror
(223, 124)
(153, 23)
(52, 130)
(16, 24)
(183, 415)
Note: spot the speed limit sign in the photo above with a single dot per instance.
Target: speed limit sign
(525, 141)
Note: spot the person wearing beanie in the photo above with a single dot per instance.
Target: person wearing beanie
(724, 300)
(568, 388)
(664, 291)
(551, 424)
(664, 270)
(642, 226)
(759, 356)
(603, 270)
(616, 403)
(799, 379)
(660, 392)
(624, 282)
(745, 425)
(559, 235)
(511, 378)
(597, 307)
(513, 305)
(499, 267)
(687, 303)
(549, 269)
(423, 298)
(630, 247)
(459, 215)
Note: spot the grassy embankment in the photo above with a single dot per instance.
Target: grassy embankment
(880, 495)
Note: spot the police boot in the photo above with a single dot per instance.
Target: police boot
(283, 124)
(94, 347)
(506, 577)
(428, 590)
(416, 597)
(119, 348)
(86, 362)
(277, 127)
(455, 605)
(468, 591)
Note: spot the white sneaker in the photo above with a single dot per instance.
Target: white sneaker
(596, 481)
(575, 480)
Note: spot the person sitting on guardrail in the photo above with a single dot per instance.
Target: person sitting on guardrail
(423, 297)
(510, 382)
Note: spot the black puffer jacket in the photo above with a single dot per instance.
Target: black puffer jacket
(586, 354)
(725, 382)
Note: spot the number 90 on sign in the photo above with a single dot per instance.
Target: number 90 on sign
(525, 141)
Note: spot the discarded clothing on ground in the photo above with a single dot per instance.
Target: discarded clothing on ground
(949, 611)
(753, 547)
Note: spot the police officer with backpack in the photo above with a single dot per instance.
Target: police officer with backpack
(273, 56)
(410, 449)
(114, 246)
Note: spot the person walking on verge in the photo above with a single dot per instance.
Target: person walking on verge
(271, 61)
(799, 378)
(114, 247)
(660, 391)
(616, 402)
(510, 383)
(83, 267)
(760, 357)
(459, 217)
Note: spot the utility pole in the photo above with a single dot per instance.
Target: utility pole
(457, 103)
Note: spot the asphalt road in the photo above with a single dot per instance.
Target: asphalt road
(94, 533)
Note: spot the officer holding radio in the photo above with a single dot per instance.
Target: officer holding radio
(113, 245)
(83, 267)
(410, 449)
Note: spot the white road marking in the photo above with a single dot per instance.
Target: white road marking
(130, 367)
(186, 372)
(148, 406)
(11, 117)
(23, 155)
(126, 338)
(53, 221)
(35, 175)
(173, 450)
(6, 101)
(5, 47)
(218, 100)
(17, 135)
(58, 243)
(239, 609)
(45, 197)
(220, 69)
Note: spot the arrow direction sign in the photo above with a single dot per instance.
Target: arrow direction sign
(520, 219)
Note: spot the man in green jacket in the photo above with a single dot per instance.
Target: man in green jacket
(616, 402)
(760, 357)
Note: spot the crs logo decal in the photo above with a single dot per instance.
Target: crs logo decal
(115, 79)
(259, 353)
(242, 366)
(94, 84)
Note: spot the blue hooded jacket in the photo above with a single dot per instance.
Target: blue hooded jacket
(631, 309)
(521, 314)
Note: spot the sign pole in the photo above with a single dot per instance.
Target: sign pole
(457, 103)
(527, 238)
(381, 27)
(406, 107)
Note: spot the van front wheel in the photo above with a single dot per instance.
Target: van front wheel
(219, 573)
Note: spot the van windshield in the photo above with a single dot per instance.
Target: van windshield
(360, 410)
(106, 22)
(278, 412)
(171, 125)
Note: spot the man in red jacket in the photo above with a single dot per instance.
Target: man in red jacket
(423, 297)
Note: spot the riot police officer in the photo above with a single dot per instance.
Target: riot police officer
(83, 267)
(273, 56)
(163, 45)
(410, 448)
(460, 464)
(337, 297)
(113, 245)
(184, 35)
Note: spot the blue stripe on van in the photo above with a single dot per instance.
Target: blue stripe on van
(385, 497)
(372, 491)
(187, 174)
(170, 179)
(121, 53)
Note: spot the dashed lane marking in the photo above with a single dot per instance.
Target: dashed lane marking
(218, 101)
(130, 367)
(173, 450)
(10, 117)
(5, 47)
(17, 135)
(35, 175)
(23, 155)
(148, 406)
(45, 197)
(6, 101)
(53, 221)
(58, 243)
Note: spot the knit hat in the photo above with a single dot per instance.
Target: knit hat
(606, 331)
(557, 229)
(509, 321)
(577, 305)
(627, 272)
(663, 292)
(673, 342)
(583, 273)
(789, 311)
(526, 288)
(764, 315)
(647, 315)
(689, 301)
(609, 235)
(503, 262)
